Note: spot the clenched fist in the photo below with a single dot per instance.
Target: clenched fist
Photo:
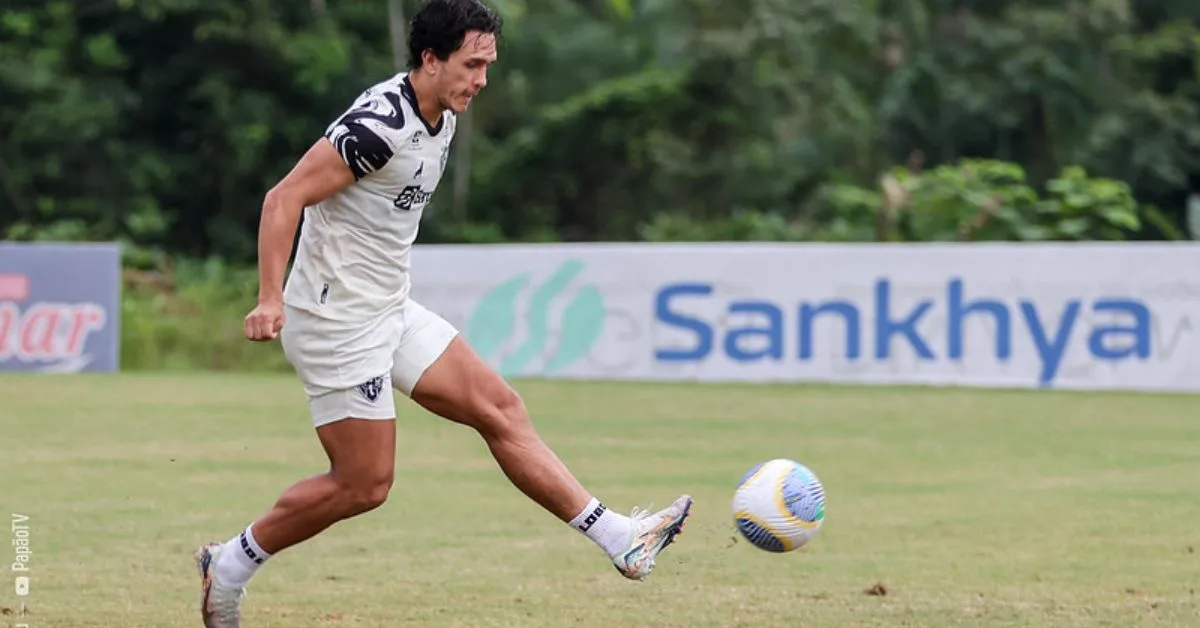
(265, 321)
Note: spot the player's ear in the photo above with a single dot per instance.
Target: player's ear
(429, 62)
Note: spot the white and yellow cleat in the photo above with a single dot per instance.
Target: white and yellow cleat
(220, 606)
(652, 533)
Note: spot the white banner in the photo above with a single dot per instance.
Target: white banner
(1082, 316)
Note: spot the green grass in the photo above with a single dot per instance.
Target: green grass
(972, 508)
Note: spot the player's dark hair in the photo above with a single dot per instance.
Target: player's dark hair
(440, 26)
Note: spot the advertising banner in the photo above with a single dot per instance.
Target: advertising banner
(59, 307)
(1081, 316)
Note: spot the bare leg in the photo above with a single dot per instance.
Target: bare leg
(461, 387)
(362, 455)
(361, 462)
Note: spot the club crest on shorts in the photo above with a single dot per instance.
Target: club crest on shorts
(371, 388)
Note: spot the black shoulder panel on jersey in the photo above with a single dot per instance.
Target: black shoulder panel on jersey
(360, 147)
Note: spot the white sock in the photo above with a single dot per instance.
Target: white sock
(610, 530)
(240, 558)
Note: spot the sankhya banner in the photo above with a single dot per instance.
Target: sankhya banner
(1081, 316)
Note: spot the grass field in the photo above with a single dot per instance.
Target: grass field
(971, 508)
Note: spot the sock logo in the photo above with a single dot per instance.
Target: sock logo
(249, 550)
(592, 518)
(492, 325)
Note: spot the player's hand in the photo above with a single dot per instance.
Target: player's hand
(264, 322)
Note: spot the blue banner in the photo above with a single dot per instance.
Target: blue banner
(60, 307)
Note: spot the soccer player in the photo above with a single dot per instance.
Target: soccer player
(349, 328)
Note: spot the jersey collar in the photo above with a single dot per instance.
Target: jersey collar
(410, 95)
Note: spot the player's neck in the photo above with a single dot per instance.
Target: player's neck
(427, 102)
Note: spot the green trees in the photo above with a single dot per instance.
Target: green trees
(162, 123)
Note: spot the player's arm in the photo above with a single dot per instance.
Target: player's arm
(348, 152)
(319, 174)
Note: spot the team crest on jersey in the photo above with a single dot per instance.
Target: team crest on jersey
(412, 197)
(371, 389)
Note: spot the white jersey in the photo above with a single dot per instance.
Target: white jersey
(352, 260)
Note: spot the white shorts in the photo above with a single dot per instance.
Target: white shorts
(351, 373)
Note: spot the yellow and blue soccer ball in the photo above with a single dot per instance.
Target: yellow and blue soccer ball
(779, 505)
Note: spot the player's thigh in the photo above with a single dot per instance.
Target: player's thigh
(461, 387)
(357, 429)
(346, 377)
(360, 451)
(438, 369)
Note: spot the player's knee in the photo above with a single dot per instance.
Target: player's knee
(369, 496)
(504, 415)
(365, 492)
(374, 495)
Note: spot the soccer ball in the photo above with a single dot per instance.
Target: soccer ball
(779, 505)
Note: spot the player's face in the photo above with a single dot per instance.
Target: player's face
(464, 74)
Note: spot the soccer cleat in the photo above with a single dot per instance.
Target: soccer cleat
(220, 606)
(652, 533)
